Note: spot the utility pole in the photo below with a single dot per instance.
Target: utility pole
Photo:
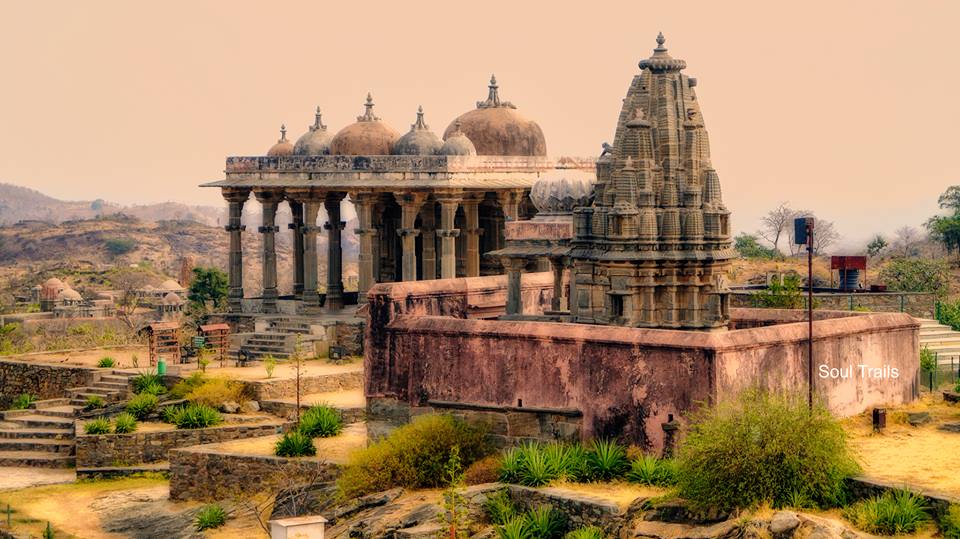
(803, 234)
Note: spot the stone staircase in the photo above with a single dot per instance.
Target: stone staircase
(275, 336)
(42, 436)
(940, 339)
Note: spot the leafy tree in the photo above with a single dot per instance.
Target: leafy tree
(876, 246)
(945, 231)
(786, 295)
(120, 246)
(748, 247)
(209, 287)
(950, 199)
(916, 275)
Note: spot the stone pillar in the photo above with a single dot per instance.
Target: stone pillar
(557, 265)
(334, 226)
(364, 203)
(409, 206)
(448, 235)
(471, 211)
(311, 207)
(235, 200)
(428, 233)
(510, 202)
(296, 210)
(514, 299)
(268, 230)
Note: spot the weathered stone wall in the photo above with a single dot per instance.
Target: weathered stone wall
(207, 474)
(626, 382)
(96, 451)
(42, 380)
(509, 425)
(280, 388)
(916, 304)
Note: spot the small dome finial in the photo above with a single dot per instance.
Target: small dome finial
(660, 41)
(368, 115)
(420, 123)
(317, 121)
(493, 97)
(283, 133)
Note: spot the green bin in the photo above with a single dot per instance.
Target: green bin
(161, 366)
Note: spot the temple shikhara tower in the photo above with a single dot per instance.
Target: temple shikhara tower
(652, 248)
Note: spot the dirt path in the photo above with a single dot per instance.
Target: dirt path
(18, 478)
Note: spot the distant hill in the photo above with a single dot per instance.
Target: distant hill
(24, 204)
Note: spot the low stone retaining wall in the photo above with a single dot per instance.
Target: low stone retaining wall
(866, 487)
(40, 379)
(277, 389)
(581, 509)
(918, 304)
(286, 410)
(201, 473)
(100, 450)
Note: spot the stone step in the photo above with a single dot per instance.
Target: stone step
(254, 343)
(47, 403)
(35, 421)
(111, 386)
(115, 378)
(53, 434)
(66, 411)
(90, 390)
(36, 459)
(45, 445)
(258, 354)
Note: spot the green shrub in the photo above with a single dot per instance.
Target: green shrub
(169, 414)
(100, 425)
(142, 405)
(892, 513)
(763, 448)
(589, 532)
(209, 517)
(120, 246)
(500, 508)
(916, 275)
(269, 364)
(48, 532)
(106, 363)
(196, 416)
(143, 380)
(214, 392)
(781, 296)
(649, 470)
(23, 401)
(748, 246)
(607, 460)
(295, 444)
(547, 523)
(153, 389)
(928, 359)
(536, 470)
(517, 527)
(181, 389)
(321, 421)
(414, 455)
(124, 423)
(95, 401)
(571, 461)
(510, 465)
(950, 523)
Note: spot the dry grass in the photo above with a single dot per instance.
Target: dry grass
(334, 449)
(620, 492)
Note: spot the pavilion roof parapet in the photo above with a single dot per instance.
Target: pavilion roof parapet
(395, 163)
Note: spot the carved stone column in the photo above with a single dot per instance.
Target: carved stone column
(268, 230)
(409, 206)
(514, 267)
(557, 265)
(311, 208)
(429, 241)
(448, 235)
(235, 199)
(334, 226)
(364, 203)
(510, 202)
(296, 210)
(471, 211)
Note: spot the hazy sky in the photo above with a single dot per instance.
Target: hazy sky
(846, 108)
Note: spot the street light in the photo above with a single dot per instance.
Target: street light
(803, 235)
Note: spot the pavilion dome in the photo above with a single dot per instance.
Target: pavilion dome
(420, 140)
(51, 288)
(457, 143)
(367, 136)
(170, 285)
(171, 298)
(69, 294)
(496, 128)
(316, 141)
(283, 146)
(562, 189)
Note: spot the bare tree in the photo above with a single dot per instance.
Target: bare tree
(775, 223)
(824, 235)
(906, 240)
(128, 281)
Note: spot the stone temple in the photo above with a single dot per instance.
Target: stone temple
(652, 248)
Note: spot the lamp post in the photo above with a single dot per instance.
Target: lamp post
(803, 234)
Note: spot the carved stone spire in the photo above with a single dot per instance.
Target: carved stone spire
(368, 115)
(283, 133)
(318, 122)
(420, 125)
(493, 97)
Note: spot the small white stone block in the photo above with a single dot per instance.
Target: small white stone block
(307, 527)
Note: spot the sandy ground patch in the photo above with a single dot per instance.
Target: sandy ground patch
(122, 356)
(335, 449)
(16, 478)
(620, 492)
(923, 456)
(351, 398)
(283, 371)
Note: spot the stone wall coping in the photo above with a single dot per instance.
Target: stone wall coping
(570, 412)
(720, 341)
(214, 449)
(855, 293)
(147, 434)
(463, 285)
(53, 365)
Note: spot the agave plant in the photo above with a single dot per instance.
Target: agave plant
(510, 465)
(515, 528)
(544, 521)
(537, 469)
(608, 460)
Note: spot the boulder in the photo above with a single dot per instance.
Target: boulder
(250, 407)
(918, 418)
(230, 407)
(783, 523)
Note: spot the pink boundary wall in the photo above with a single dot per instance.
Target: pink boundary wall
(626, 382)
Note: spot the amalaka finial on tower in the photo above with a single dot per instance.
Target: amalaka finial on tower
(661, 61)
(317, 121)
(660, 41)
(283, 133)
(368, 115)
(420, 124)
